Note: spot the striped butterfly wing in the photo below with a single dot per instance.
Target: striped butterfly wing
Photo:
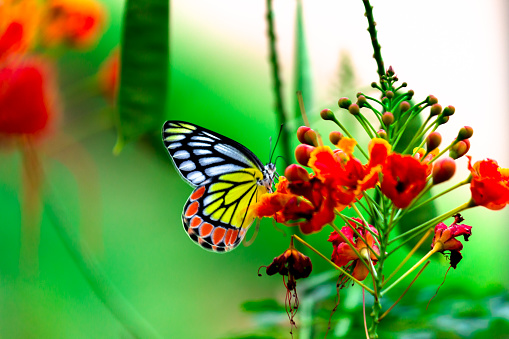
(226, 176)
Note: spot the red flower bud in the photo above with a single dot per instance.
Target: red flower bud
(354, 109)
(296, 173)
(435, 110)
(459, 149)
(433, 140)
(327, 114)
(344, 103)
(390, 71)
(382, 134)
(388, 118)
(303, 154)
(432, 99)
(465, 133)
(335, 137)
(361, 100)
(389, 94)
(410, 93)
(404, 106)
(307, 136)
(443, 170)
(449, 110)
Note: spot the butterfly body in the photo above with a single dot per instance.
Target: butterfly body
(227, 178)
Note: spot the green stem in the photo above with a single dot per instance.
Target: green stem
(340, 125)
(377, 55)
(423, 259)
(277, 87)
(333, 264)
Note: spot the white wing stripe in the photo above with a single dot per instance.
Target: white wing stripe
(196, 177)
(174, 145)
(210, 135)
(201, 151)
(181, 154)
(198, 144)
(187, 166)
(233, 153)
(209, 160)
(218, 170)
(197, 137)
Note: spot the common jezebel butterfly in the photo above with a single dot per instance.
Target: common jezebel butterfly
(227, 178)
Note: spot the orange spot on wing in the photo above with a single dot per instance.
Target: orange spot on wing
(218, 235)
(197, 194)
(205, 229)
(196, 221)
(228, 237)
(192, 209)
(214, 248)
(234, 236)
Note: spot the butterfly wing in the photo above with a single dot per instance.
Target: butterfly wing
(200, 154)
(226, 176)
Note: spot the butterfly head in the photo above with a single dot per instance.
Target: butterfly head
(269, 173)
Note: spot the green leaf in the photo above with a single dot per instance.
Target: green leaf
(144, 69)
(302, 73)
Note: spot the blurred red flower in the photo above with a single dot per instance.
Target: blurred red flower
(343, 254)
(26, 97)
(404, 177)
(108, 76)
(77, 23)
(490, 184)
(445, 240)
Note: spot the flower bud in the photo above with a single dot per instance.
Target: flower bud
(449, 110)
(335, 137)
(459, 149)
(410, 93)
(374, 85)
(361, 100)
(433, 140)
(389, 94)
(404, 84)
(307, 136)
(404, 106)
(443, 170)
(465, 133)
(354, 109)
(390, 71)
(385, 100)
(382, 134)
(388, 118)
(344, 103)
(303, 154)
(431, 99)
(327, 114)
(295, 172)
(435, 110)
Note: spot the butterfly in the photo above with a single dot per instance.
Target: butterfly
(227, 177)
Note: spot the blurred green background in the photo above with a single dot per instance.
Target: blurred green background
(219, 79)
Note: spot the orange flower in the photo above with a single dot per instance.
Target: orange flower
(73, 22)
(25, 98)
(343, 254)
(444, 239)
(346, 175)
(404, 177)
(490, 184)
(303, 203)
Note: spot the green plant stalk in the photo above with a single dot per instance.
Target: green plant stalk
(402, 130)
(277, 86)
(365, 223)
(377, 55)
(345, 218)
(352, 246)
(333, 264)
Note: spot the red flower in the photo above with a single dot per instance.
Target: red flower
(346, 175)
(343, 254)
(404, 177)
(305, 203)
(490, 184)
(25, 98)
(74, 22)
(444, 239)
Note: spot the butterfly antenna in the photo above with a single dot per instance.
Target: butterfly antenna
(282, 157)
(275, 145)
